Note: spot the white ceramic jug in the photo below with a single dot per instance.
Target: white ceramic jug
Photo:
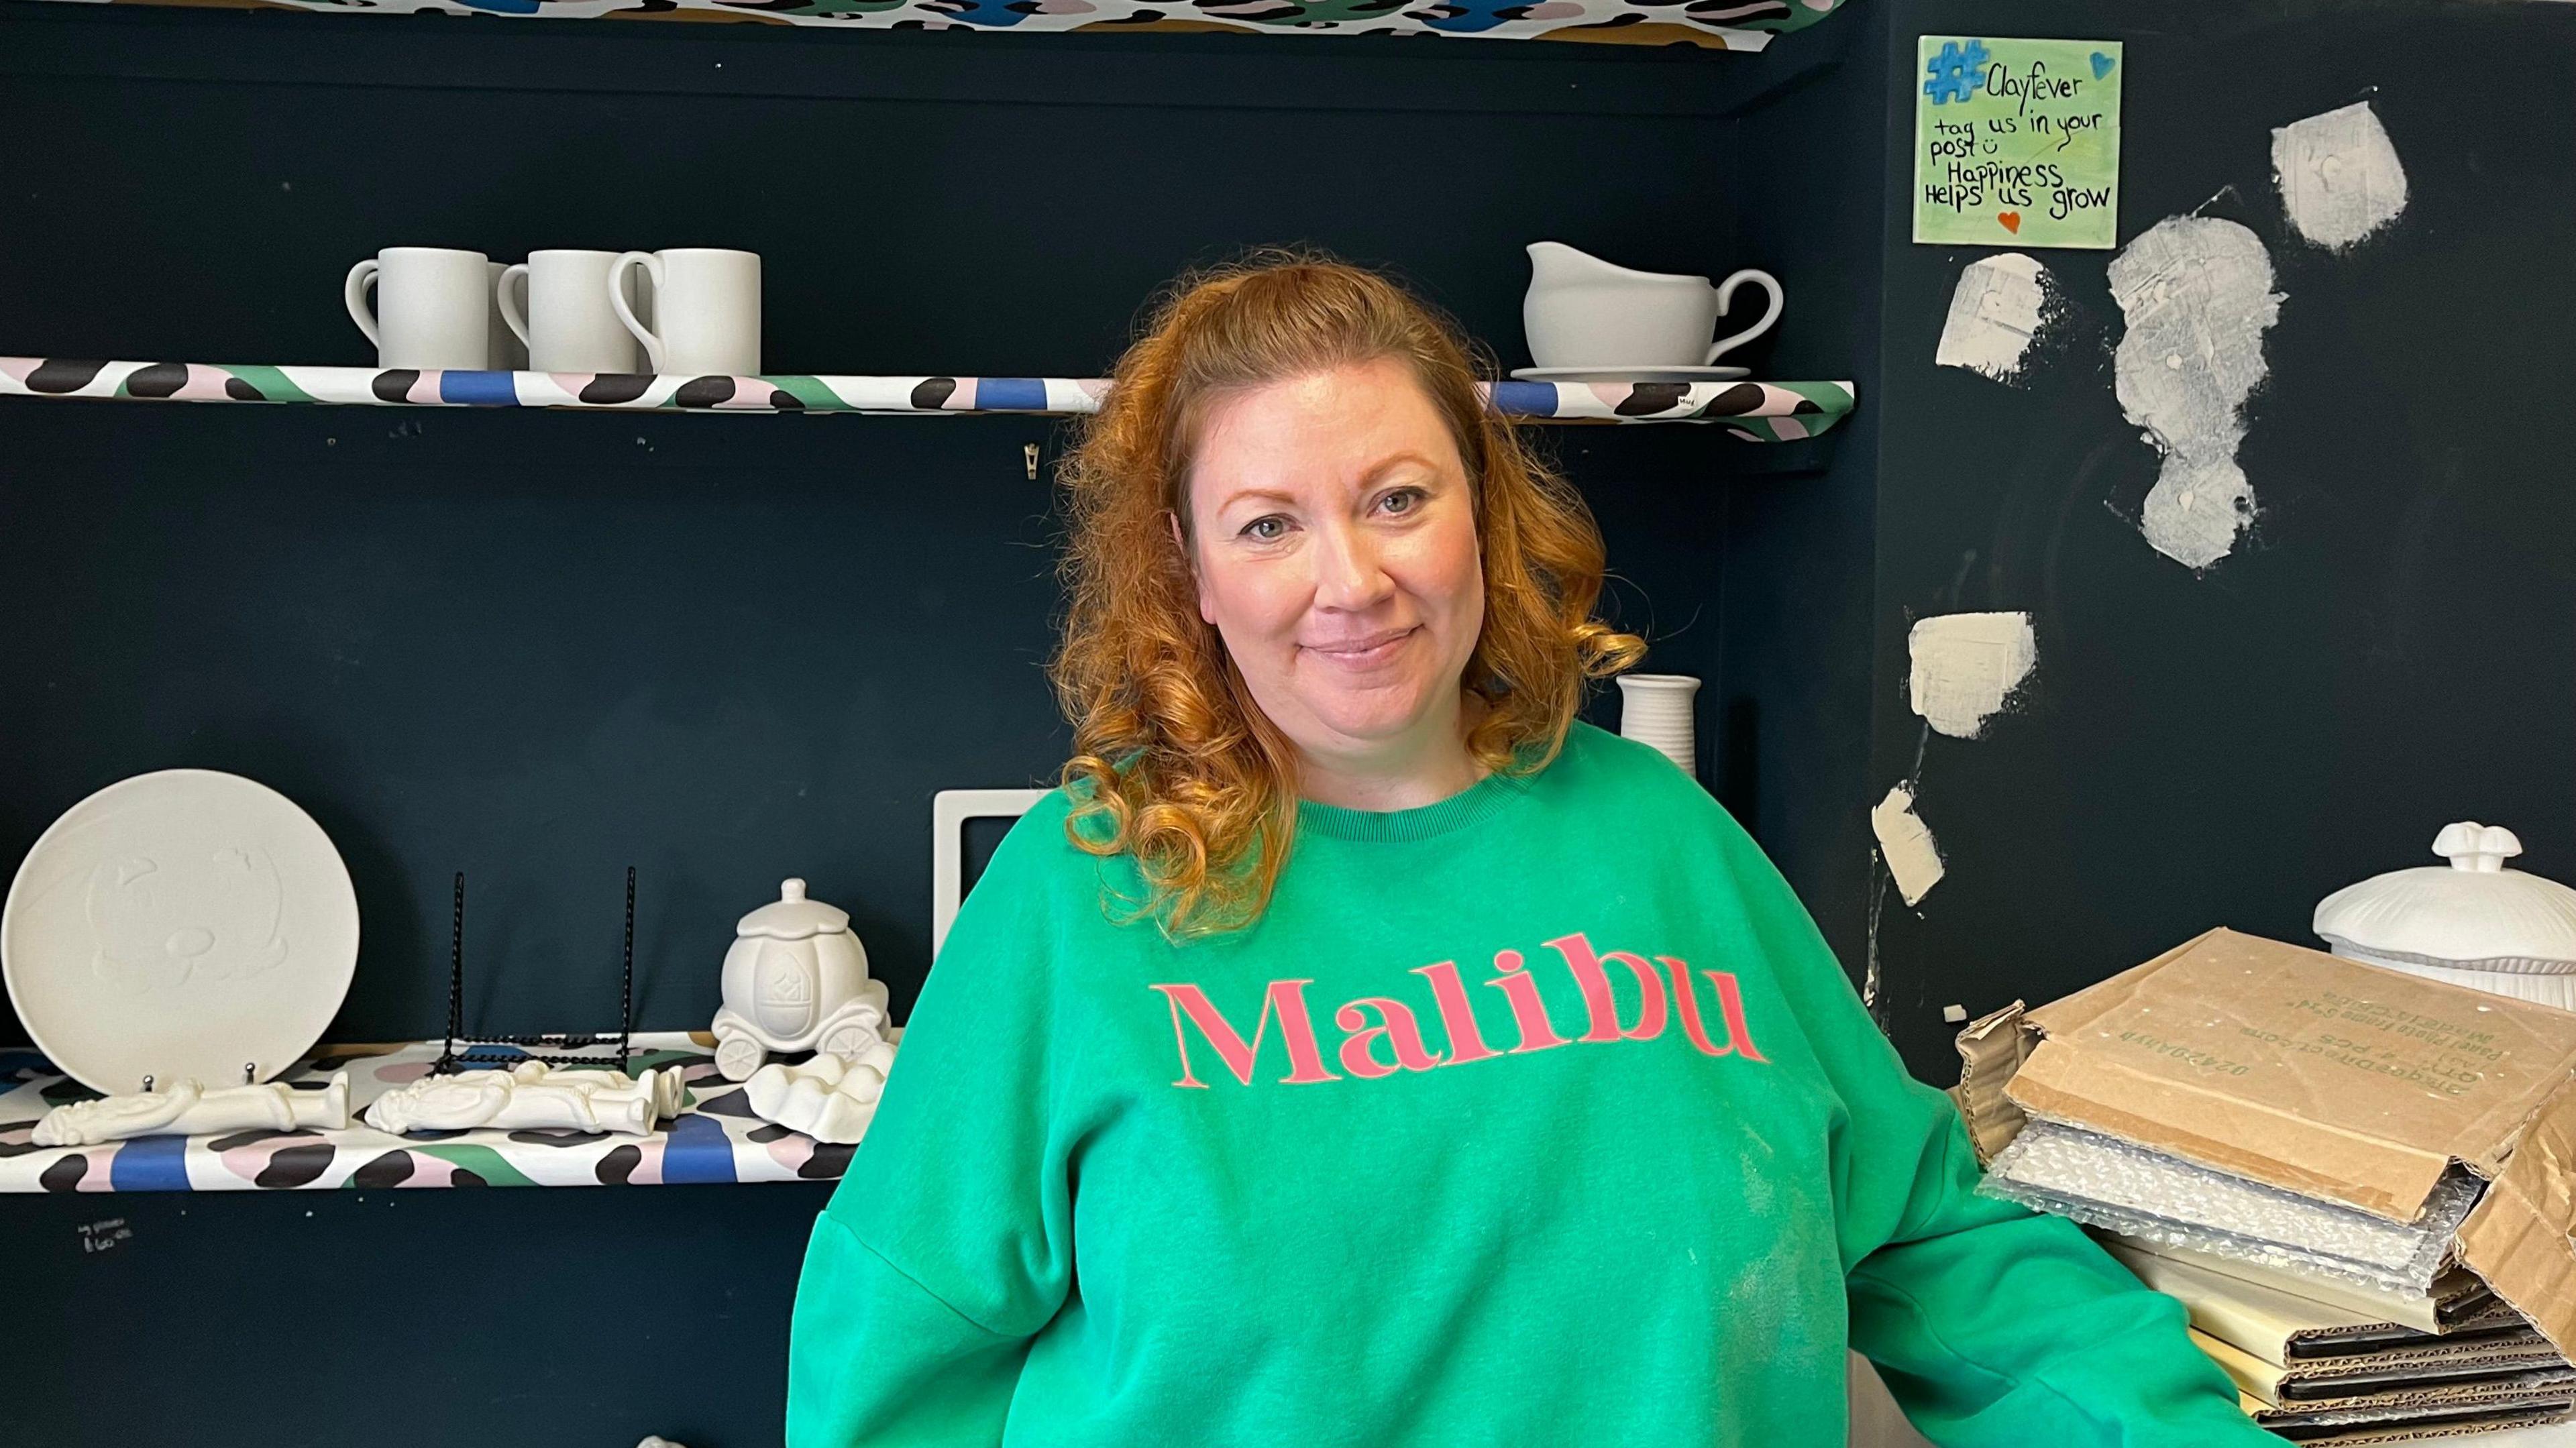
(1582, 311)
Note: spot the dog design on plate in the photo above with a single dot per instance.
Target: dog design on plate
(159, 921)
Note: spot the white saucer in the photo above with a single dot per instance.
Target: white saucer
(1630, 374)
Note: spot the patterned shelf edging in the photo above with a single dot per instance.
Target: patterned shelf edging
(1760, 411)
(1754, 411)
(1745, 25)
(715, 1139)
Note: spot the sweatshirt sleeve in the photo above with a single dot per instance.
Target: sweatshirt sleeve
(1994, 1326)
(948, 1243)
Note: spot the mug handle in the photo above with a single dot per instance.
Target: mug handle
(1726, 295)
(353, 293)
(513, 315)
(617, 298)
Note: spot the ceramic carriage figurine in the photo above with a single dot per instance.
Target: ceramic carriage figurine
(796, 979)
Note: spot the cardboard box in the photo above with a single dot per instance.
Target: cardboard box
(2457, 1300)
(2319, 1075)
(2347, 1428)
(2495, 1380)
(2289, 1331)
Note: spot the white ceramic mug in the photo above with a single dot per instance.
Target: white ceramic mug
(566, 320)
(508, 353)
(706, 309)
(433, 307)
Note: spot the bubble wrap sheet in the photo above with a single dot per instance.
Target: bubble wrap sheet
(2105, 1182)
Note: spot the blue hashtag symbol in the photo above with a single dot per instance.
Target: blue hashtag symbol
(1956, 74)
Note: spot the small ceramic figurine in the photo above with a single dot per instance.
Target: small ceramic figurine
(829, 1098)
(188, 1108)
(527, 1096)
(796, 979)
(666, 1086)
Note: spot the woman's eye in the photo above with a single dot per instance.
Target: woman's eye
(1265, 529)
(1402, 500)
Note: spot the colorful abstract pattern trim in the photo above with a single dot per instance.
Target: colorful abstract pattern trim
(1710, 24)
(715, 1139)
(1762, 411)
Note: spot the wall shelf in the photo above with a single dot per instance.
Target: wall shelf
(1744, 25)
(1755, 411)
(714, 1139)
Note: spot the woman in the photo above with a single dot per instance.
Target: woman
(1358, 1050)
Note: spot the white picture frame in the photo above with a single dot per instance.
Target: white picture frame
(950, 809)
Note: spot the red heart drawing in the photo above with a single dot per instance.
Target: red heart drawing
(2011, 221)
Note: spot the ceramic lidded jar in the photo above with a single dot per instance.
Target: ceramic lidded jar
(795, 979)
(2472, 922)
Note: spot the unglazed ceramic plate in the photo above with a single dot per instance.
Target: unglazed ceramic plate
(1630, 374)
(186, 923)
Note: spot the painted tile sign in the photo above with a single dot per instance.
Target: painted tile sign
(2017, 142)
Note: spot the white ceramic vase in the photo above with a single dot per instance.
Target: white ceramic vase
(1655, 709)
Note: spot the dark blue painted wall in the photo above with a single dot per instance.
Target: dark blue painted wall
(2392, 647)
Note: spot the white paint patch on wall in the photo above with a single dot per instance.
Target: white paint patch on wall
(2197, 295)
(1965, 665)
(2338, 175)
(1905, 842)
(1993, 316)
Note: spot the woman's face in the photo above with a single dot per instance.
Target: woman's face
(1334, 541)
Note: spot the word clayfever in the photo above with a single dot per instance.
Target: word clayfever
(1395, 1021)
(2035, 84)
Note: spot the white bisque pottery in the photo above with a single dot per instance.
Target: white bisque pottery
(1581, 311)
(530, 1096)
(796, 979)
(184, 925)
(505, 350)
(556, 304)
(705, 303)
(829, 1098)
(1655, 709)
(433, 307)
(2469, 922)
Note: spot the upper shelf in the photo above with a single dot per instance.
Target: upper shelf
(1755, 411)
(1710, 24)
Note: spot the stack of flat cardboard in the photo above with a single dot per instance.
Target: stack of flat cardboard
(2317, 1372)
(2349, 1085)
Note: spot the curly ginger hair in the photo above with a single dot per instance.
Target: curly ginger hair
(1174, 763)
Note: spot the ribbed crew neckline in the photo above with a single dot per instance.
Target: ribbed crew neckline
(1422, 822)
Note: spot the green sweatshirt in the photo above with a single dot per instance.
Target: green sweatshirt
(1539, 1115)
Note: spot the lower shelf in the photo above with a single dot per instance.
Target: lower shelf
(1754, 411)
(715, 1139)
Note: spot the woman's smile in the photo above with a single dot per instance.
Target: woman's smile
(1367, 652)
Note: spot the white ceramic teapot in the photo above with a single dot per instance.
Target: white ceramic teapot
(796, 979)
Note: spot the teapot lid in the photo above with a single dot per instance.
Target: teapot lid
(2472, 913)
(793, 917)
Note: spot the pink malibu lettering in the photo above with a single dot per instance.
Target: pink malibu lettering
(1287, 997)
(1368, 1020)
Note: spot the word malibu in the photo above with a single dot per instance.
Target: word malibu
(1370, 1019)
